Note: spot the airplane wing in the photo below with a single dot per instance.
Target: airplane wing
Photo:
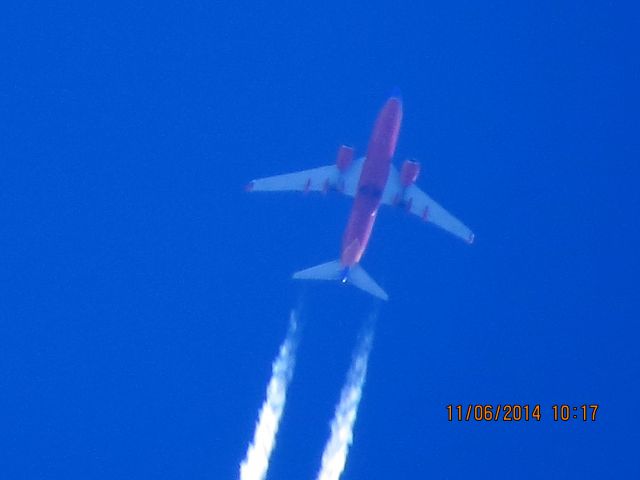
(419, 203)
(321, 179)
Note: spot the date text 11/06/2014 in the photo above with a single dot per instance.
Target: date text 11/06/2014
(520, 412)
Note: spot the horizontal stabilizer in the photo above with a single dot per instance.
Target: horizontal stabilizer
(363, 281)
(336, 271)
(326, 271)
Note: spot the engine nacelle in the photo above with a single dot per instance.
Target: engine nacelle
(344, 158)
(409, 172)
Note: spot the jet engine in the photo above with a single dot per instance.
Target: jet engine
(409, 173)
(344, 158)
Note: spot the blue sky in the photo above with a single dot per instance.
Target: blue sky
(144, 294)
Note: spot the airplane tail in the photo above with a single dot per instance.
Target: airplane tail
(334, 270)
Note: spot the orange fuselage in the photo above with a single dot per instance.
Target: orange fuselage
(373, 179)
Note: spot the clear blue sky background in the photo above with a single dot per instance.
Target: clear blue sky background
(143, 294)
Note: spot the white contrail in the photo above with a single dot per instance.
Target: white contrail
(335, 452)
(256, 463)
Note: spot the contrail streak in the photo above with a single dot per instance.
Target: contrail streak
(335, 452)
(256, 463)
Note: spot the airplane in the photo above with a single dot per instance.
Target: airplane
(373, 181)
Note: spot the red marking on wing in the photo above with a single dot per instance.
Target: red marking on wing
(344, 158)
(409, 172)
